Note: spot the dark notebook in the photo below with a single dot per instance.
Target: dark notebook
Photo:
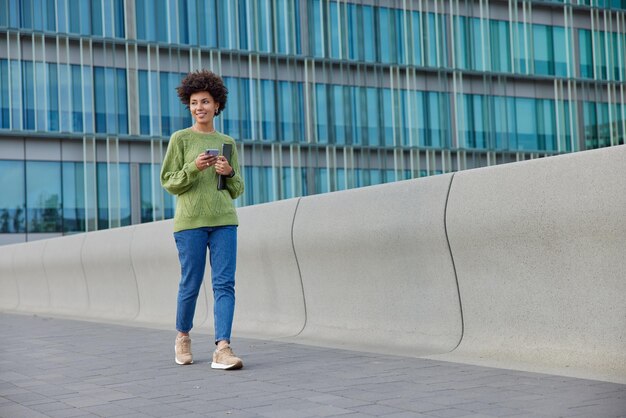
(227, 150)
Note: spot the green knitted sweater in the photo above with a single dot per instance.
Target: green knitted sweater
(198, 202)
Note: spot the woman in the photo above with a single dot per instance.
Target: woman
(205, 217)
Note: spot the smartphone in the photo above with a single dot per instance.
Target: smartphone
(212, 152)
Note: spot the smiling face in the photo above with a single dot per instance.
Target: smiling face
(203, 108)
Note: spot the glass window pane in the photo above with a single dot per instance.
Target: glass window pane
(43, 197)
(13, 197)
(73, 197)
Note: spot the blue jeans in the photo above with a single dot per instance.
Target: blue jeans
(192, 246)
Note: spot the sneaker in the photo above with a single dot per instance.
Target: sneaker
(225, 359)
(183, 350)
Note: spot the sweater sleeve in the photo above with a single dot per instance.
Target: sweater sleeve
(234, 185)
(177, 176)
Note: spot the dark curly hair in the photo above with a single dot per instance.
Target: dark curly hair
(203, 80)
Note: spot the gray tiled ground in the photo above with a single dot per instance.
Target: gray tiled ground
(62, 368)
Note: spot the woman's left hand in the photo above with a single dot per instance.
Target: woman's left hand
(222, 167)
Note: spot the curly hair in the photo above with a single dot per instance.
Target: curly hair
(203, 80)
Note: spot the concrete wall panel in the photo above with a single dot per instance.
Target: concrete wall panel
(66, 279)
(157, 270)
(269, 291)
(9, 295)
(539, 251)
(109, 274)
(376, 269)
(30, 275)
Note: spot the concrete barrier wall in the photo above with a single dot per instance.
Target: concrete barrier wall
(32, 283)
(539, 249)
(535, 252)
(9, 293)
(270, 300)
(376, 268)
(66, 279)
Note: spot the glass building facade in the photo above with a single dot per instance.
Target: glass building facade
(324, 95)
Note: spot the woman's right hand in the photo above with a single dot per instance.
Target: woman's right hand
(204, 161)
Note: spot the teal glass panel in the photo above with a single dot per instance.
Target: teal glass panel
(167, 85)
(140, 19)
(436, 40)
(73, 175)
(321, 112)
(86, 90)
(16, 86)
(357, 120)
(521, 45)
(77, 99)
(121, 99)
(144, 100)
(155, 203)
(504, 122)
(480, 34)
(28, 95)
(96, 18)
(369, 42)
(285, 26)
(268, 110)
(62, 15)
(387, 121)
(207, 16)
(13, 197)
(355, 33)
(316, 39)
(100, 99)
(258, 181)
(242, 22)
(290, 112)
(262, 37)
(65, 91)
(334, 25)
(14, 13)
(41, 106)
(113, 183)
(321, 180)
(4, 13)
(53, 97)
(438, 110)
(546, 125)
(543, 60)
(602, 64)
(560, 45)
(526, 123)
(372, 123)
(500, 46)
(118, 19)
(227, 35)
(463, 35)
(5, 114)
(186, 24)
(146, 190)
(339, 115)
(43, 196)
(26, 14)
(85, 16)
(237, 116)
(340, 174)
(415, 39)
(419, 117)
(387, 42)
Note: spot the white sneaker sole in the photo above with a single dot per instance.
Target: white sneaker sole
(221, 366)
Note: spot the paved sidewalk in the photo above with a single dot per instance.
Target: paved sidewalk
(63, 368)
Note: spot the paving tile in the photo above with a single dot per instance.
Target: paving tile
(280, 379)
